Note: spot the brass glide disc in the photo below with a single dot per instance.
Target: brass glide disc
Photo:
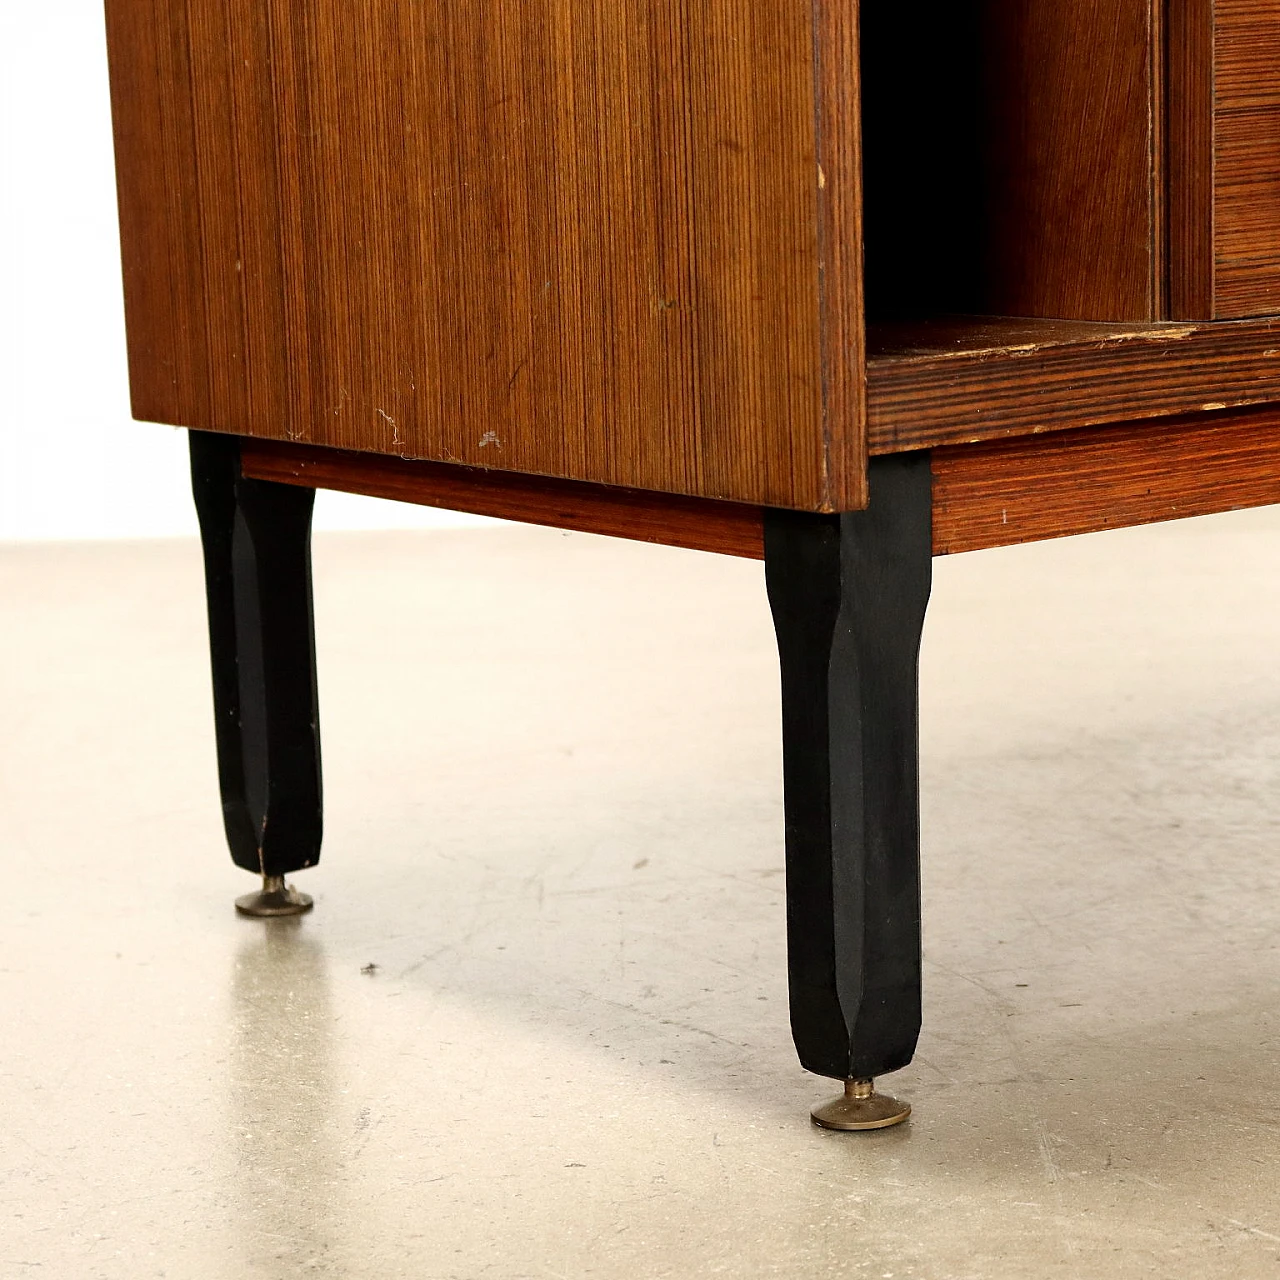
(275, 898)
(860, 1107)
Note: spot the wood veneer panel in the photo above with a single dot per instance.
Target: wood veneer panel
(1246, 176)
(612, 240)
(729, 528)
(1224, 130)
(1189, 158)
(1011, 158)
(963, 379)
(997, 494)
(1247, 212)
(1248, 53)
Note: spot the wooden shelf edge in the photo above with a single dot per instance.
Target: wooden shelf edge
(959, 380)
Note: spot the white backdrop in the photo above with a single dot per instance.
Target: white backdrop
(72, 463)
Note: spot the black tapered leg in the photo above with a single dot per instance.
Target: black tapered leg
(257, 559)
(848, 594)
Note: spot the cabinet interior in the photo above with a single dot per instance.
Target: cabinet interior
(1108, 163)
(1111, 161)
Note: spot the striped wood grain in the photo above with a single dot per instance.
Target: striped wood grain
(610, 240)
(1035, 487)
(1224, 158)
(965, 379)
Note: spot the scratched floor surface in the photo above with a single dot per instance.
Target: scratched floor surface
(536, 1026)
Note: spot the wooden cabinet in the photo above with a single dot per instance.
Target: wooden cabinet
(835, 289)
(624, 244)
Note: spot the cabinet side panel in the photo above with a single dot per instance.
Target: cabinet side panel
(159, 213)
(578, 238)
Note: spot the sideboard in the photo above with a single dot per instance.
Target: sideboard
(840, 289)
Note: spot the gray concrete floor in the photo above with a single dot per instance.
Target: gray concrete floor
(554, 825)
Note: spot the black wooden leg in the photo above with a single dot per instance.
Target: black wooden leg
(848, 594)
(257, 561)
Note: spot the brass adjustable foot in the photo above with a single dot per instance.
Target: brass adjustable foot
(275, 898)
(860, 1107)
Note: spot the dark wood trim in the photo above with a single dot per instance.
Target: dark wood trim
(841, 304)
(958, 380)
(1158, 64)
(700, 524)
(1189, 149)
(1051, 486)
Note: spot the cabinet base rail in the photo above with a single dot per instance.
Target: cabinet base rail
(988, 494)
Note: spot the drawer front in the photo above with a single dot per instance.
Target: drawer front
(1223, 148)
(1247, 213)
(1246, 153)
